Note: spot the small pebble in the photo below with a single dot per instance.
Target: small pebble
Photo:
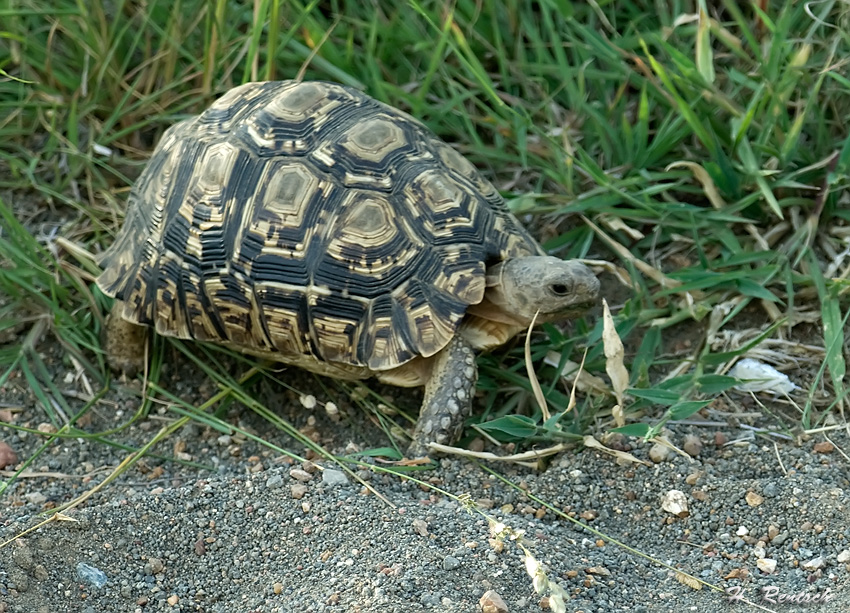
(420, 527)
(332, 411)
(754, 499)
(300, 475)
(824, 447)
(155, 565)
(676, 503)
(308, 402)
(36, 498)
(334, 477)
(692, 445)
(491, 602)
(659, 453)
(91, 575)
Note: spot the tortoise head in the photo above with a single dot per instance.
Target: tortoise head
(557, 289)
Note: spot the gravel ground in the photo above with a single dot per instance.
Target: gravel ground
(260, 533)
(269, 536)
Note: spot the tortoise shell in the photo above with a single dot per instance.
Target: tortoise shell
(312, 224)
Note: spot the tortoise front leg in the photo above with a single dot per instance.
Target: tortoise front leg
(448, 397)
(124, 342)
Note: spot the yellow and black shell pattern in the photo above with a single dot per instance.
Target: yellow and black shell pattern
(309, 222)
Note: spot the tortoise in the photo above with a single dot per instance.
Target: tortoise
(310, 224)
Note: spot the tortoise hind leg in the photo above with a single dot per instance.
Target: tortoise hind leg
(124, 343)
(448, 397)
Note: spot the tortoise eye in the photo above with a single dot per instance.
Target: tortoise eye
(559, 289)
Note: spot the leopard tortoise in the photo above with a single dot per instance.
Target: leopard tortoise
(310, 224)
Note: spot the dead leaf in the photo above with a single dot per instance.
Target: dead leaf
(592, 443)
(651, 272)
(707, 183)
(737, 573)
(532, 376)
(662, 439)
(614, 355)
(572, 371)
(691, 582)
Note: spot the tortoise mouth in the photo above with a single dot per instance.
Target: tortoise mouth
(571, 312)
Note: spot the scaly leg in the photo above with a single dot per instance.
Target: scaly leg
(124, 343)
(448, 397)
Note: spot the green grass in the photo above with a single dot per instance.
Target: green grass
(707, 160)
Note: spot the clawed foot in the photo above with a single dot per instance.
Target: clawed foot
(124, 343)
